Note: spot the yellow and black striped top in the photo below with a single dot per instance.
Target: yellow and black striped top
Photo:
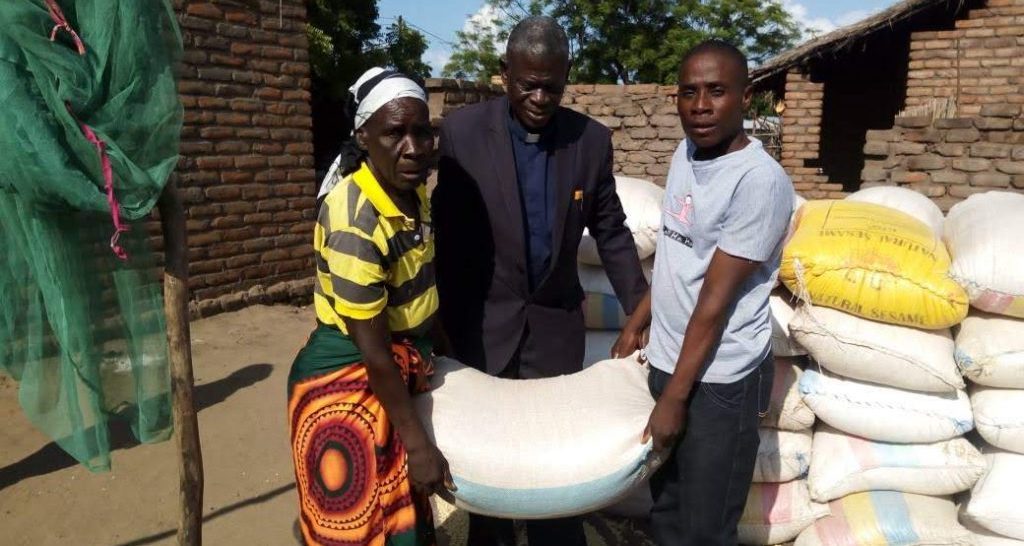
(371, 258)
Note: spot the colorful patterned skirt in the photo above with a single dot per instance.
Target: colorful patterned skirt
(350, 464)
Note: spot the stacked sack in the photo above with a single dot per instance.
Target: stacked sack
(779, 505)
(984, 236)
(641, 201)
(888, 452)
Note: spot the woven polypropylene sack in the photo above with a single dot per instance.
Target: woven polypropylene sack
(787, 409)
(842, 464)
(782, 455)
(887, 518)
(641, 201)
(999, 416)
(528, 449)
(777, 512)
(874, 262)
(990, 350)
(983, 234)
(883, 413)
(904, 200)
(995, 500)
(887, 354)
(783, 344)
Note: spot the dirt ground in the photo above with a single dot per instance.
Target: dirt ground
(241, 363)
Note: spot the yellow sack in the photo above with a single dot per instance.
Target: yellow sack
(874, 262)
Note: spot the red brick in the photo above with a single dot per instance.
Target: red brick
(233, 147)
(288, 216)
(288, 190)
(250, 162)
(236, 177)
(223, 193)
(299, 148)
(272, 205)
(275, 255)
(233, 118)
(213, 162)
(258, 218)
(239, 207)
(295, 69)
(228, 60)
(245, 17)
(222, 222)
(253, 132)
(268, 148)
(268, 93)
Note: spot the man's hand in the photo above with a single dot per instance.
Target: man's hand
(666, 424)
(630, 340)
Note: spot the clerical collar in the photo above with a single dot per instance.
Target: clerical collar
(523, 134)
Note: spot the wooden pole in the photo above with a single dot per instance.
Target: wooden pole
(186, 424)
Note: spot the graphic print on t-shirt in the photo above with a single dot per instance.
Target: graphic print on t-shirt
(683, 216)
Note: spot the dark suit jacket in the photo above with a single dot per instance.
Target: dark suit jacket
(478, 224)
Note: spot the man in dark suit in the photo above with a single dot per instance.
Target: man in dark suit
(519, 179)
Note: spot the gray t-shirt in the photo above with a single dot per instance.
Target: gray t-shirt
(741, 203)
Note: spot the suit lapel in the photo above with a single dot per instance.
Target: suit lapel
(503, 159)
(564, 160)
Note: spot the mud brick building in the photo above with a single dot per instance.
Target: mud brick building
(927, 94)
(246, 169)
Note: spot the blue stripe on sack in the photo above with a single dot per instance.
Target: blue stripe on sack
(551, 502)
(610, 312)
(809, 381)
(963, 360)
(893, 517)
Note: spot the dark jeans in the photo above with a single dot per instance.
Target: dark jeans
(488, 531)
(700, 491)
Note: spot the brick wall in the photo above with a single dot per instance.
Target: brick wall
(948, 159)
(642, 118)
(801, 136)
(246, 151)
(980, 61)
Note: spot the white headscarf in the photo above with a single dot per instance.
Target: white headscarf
(392, 87)
(386, 90)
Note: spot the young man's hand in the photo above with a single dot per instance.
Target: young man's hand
(629, 341)
(666, 424)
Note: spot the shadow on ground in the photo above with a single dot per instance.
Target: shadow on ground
(214, 515)
(51, 458)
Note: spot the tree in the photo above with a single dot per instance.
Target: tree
(476, 55)
(635, 41)
(342, 39)
(404, 48)
(345, 40)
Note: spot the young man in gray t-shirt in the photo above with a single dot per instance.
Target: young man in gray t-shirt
(727, 207)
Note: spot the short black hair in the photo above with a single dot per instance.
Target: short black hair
(538, 35)
(725, 48)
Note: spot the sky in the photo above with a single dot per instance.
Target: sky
(440, 20)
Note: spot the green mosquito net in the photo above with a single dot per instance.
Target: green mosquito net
(89, 128)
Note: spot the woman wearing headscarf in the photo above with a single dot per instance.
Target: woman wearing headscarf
(364, 465)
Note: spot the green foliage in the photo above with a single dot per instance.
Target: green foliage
(342, 36)
(404, 48)
(345, 40)
(632, 41)
(476, 55)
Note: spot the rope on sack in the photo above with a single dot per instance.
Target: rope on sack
(804, 295)
(61, 23)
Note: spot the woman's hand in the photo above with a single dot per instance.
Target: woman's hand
(428, 471)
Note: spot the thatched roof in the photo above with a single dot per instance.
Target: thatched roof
(844, 37)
